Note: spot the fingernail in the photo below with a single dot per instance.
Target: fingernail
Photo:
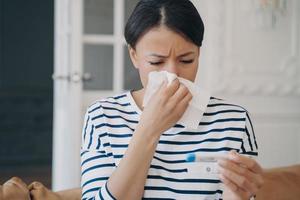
(17, 179)
(232, 154)
(220, 162)
(37, 184)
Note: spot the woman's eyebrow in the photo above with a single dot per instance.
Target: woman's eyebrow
(186, 54)
(163, 56)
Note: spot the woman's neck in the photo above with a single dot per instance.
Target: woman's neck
(138, 97)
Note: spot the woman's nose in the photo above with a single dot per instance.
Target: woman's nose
(171, 68)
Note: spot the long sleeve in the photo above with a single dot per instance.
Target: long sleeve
(249, 144)
(96, 164)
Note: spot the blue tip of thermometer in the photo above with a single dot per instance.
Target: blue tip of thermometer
(193, 157)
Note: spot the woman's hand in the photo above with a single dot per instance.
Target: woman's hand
(242, 176)
(39, 192)
(166, 107)
(14, 189)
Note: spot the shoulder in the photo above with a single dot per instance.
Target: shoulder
(221, 105)
(115, 102)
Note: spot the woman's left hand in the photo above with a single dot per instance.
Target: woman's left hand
(241, 175)
(39, 192)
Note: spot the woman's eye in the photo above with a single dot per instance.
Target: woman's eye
(155, 63)
(183, 61)
(187, 61)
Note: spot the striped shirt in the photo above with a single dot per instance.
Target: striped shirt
(108, 128)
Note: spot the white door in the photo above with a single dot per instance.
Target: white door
(91, 62)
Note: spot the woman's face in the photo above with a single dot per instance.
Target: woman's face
(162, 49)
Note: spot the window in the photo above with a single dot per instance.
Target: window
(105, 54)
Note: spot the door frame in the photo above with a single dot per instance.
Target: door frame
(67, 122)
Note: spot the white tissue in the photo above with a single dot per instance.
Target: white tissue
(197, 106)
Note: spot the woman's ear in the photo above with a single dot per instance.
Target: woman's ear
(133, 56)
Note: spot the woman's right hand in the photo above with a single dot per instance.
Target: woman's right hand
(165, 107)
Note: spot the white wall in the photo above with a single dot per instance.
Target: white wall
(258, 67)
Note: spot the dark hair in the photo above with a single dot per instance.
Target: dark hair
(180, 16)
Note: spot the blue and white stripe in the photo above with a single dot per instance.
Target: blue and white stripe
(108, 128)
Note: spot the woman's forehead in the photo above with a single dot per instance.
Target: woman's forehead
(163, 41)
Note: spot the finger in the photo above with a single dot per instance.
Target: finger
(160, 91)
(252, 177)
(163, 86)
(38, 191)
(233, 187)
(237, 168)
(35, 194)
(172, 88)
(228, 164)
(180, 93)
(35, 185)
(241, 181)
(188, 97)
(17, 182)
(183, 104)
(249, 163)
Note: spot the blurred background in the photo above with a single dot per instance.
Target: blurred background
(59, 56)
(26, 89)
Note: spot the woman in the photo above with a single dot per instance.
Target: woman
(131, 152)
